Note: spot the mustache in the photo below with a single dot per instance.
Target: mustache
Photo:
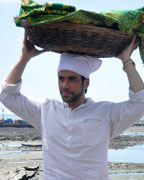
(65, 90)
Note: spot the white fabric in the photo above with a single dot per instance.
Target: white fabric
(81, 64)
(75, 143)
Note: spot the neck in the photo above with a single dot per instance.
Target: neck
(77, 103)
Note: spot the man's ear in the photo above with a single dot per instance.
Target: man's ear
(87, 81)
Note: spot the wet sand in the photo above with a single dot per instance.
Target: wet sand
(26, 162)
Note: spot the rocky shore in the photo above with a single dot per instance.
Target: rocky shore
(21, 163)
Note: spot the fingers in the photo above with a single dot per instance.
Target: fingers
(30, 48)
(25, 37)
(132, 42)
(125, 55)
(134, 38)
(135, 42)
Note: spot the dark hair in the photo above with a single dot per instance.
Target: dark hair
(83, 79)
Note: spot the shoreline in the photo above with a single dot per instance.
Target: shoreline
(27, 161)
(26, 125)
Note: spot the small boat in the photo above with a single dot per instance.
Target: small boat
(31, 145)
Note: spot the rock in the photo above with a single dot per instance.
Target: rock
(24, 173)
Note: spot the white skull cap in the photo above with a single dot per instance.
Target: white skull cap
(78, 63)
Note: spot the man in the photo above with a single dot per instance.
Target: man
(76, 132)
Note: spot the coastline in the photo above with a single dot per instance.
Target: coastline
(27, 161)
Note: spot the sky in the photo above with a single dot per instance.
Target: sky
(109, 83)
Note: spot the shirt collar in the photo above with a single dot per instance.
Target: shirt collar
(87, 103)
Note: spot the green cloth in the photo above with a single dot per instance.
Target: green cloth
(130, 21)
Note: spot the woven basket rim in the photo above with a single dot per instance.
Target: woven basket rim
(79, 38)
(25, 23)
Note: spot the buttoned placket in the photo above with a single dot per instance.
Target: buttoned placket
(69, 126)
(69, 122)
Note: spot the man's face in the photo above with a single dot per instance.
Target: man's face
(70, 86)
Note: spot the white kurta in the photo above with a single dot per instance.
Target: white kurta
(75, 143)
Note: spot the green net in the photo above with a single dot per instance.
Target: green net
(130, 21)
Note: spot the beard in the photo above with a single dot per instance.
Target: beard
(72, 97)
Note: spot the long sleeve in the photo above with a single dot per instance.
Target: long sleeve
(125, 114)
(29, 109)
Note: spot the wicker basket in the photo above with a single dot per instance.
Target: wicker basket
(78, 38)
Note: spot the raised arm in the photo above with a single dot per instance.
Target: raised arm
(28, 51)
(29, 109)
(135, 81)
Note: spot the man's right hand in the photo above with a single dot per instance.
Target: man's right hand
(29, 50)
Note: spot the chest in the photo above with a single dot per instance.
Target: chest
(70, 129)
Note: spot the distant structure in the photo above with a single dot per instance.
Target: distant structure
(9, 122)
(2, 109)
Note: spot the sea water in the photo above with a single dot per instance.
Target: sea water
(134, 154)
